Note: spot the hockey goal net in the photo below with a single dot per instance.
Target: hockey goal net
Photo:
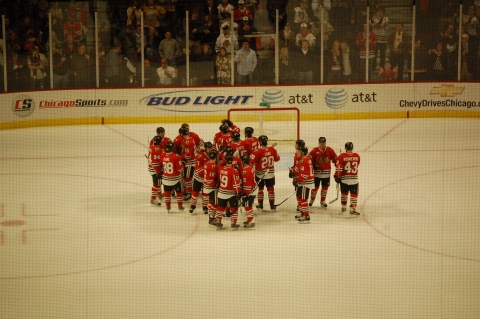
(280, 124)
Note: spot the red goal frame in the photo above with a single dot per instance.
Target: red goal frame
(250, 109)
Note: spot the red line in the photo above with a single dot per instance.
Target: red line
(128, 137)
(402, 242)
(384, 135)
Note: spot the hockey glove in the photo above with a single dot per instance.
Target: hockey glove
(290, 173)
(337, 179)
(294, 183)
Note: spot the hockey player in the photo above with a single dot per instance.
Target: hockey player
(154, 153)
(229, 191)
(178, 141)
(236, 162)
(161, 134)
(249, 190)
(346, 175)
(237, 145)
(322, 158)
(231, 127)
(172, 166)
(210, 184)
(198, 176)
(250, 141)
(299, 144)
(264, 159)
(189, 148)
(303, 174)
(223, 138)
(198, 140)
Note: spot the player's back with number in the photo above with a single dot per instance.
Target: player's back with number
(230, 183)
(264, 160)
(347, 166)
(172, 166)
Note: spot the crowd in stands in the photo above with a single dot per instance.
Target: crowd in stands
(212, 35)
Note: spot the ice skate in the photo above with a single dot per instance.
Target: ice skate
(273, 207)
(187, 197)
(168, 209)
(323, 204)
(297, 217)
(205, 210)
(235, 226)
(218, 223)
(248, 225)
(154, 202)
(311, 203)
(259, 206)
(192, 208)
(180, 208)
(304, 219)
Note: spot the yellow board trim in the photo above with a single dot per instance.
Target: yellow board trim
(217, 118)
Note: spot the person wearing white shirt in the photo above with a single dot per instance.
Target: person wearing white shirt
(166, 74)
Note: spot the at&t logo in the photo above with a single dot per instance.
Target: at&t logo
(23, 105)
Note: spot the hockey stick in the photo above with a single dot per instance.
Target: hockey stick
(276, 205)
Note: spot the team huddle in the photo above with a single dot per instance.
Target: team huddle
(231, 173)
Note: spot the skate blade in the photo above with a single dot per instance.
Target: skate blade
(304, 222)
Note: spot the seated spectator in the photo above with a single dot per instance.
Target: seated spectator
(230, 26)
(69, 47)
(388, 74)
(305, 34)
(32, 42)
(150, 73)
(261, 22)
(55, 41)
(225, 40)
(80, 13)
(37, 63)
(242, 12)
(134, 14)
(151, 14)
(438, 62)
(196, 28)
(17, 73)
(74, 28)
(105, 34)
(421, 62)
(82, 68)
(152, 42)
(169, 49)
(287, 37)
(13, 43)
(225, 11)
(286, 68)
(61, 68)
(210, 31)
(223, 64)
(167, 75)
(210, 9)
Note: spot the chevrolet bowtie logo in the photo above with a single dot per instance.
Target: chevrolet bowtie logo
(447, 90)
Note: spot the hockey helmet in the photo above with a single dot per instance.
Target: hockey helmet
(349, 146)
(300, 143)
(249, 131)
(229, 159)
(229, 150)
(160, 130)
(169, 147)
(208, 145)
(263, 140)
(224, 128)
(212, 155)
(245, 159)
(236, 136)
(322, 139)
(183, 131)
(157, 140)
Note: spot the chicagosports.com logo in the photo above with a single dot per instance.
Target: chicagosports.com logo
(23, 105)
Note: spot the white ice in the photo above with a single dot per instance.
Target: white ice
(79, 239)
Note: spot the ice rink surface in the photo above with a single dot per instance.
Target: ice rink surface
(79, 238)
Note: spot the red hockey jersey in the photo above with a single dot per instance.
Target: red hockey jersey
(154, 153)
(248, 179)
(322, 161)
(172, 166)
(264, 159)
(210, 173)
(230, 184)
(303, 169)
(200, 160)
(347, 168)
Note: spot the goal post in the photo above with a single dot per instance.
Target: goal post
(278, 123)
